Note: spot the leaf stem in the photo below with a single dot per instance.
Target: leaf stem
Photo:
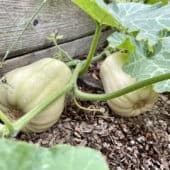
(25, 28)
(92, 49)
(60, 50)
(7, 122)
(19, 124)
(74, 62)
(103, 97)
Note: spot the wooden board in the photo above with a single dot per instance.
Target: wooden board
(58, 16)
(74, 48)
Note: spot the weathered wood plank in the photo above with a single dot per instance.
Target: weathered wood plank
(56, 16)
(74, 48)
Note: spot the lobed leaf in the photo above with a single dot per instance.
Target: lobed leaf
(147, 20)
(99, 11)
(142, 64)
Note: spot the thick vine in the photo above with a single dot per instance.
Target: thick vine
(92, 49)
(103, 97)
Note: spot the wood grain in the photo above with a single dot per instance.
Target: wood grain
(58, 16)
(74, 48)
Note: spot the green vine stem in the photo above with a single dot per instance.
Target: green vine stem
(101, 110)
(19, 124)
(6, 121)
(61, 51)
(92, 49)
(103, 97)
(25, 28)
(74, 62)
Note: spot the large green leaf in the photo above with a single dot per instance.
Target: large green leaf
(147, 20)
(143, 67)
(99, 11)
(23, 156)
(141, 63)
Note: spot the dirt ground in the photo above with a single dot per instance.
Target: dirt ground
(136, 143)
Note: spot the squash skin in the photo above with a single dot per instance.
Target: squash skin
(30, 85)
(114, 78)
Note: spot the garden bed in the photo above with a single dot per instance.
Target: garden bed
(136, 70)
(142, 142)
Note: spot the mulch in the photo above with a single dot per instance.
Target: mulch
(137, 143)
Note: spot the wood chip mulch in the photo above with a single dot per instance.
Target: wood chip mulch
(139, 143)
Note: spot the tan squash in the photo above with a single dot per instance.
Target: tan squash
(114, 78)
(28, 86)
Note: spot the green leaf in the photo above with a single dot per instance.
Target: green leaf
(121, 41)
(156, 1)
(23, 156)
(99, 11)
(148, 20)
(142, 67)
(143, 63)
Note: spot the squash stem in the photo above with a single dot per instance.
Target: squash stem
(103, 97)
(19, 124)
(87, 109)
(74, 62)
(7, 122)
(61, 51)
(25, 28)
(92, 49)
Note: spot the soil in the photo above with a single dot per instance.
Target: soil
(137, 143)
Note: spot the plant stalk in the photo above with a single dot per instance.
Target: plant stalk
(104, 97)
(6, 121)
(74, 62)
(92, 49)
(60, 50)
